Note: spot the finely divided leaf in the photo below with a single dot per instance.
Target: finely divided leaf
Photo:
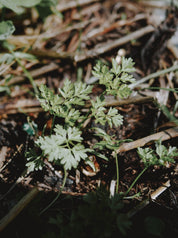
(68, 89)
(74, 134)
(99, 112)
(64, 147)
(116, 69)
(127, 78)
(75, 93)
(48, 100)
(127, 65)
(113, 117)
(159, 157)
(117, 78)
(124, 91)
(82, 90)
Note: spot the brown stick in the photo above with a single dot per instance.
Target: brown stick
(131, 100)
(18, 208)
(164, 135)
(33, 105)
(105, 29)
(19, 104)
(34, 73)
(147, 201)
(63, 6)
(103, 48)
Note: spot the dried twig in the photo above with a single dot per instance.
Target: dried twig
(52, 54)
(103, 48)
(131, 100)
(63, 6)
(105, 29)
(147, 201)
(18, 208)
(33, 105)
(34, 73)
(164, 135)
(23, 103)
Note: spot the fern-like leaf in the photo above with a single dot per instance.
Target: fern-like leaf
(64, 147)
(112, 117)
(116, 79)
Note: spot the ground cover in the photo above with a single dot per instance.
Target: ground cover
(84, 84)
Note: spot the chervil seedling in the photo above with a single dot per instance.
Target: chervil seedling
(160, 157)
(68, 105)
(66, 145)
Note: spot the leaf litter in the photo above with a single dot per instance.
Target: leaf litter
(86, 31)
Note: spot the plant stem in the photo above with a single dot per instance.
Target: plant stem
(117, 172)
(87, 117)
(55, 199)
(52, 126)
(19, 207)
(28, 76)
(166, 112)
(136, 179)
(26, 72)
(154, 75)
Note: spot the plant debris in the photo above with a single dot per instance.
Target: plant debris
(55, 62)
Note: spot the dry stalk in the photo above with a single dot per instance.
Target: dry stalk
(147, 201)
(164, 135)
(103, 48)
(18, 208)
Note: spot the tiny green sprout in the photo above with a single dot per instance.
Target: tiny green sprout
(112, 144)
(161, 156)
(66, 145)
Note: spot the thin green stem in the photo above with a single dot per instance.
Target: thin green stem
(175, 108)
(174, 90)
(52, 126)
(154, 75)
(117, 173)
(26, 72)
(136, 179)
(166, 112)
(28, 76)
(55, 199)
(87, 116)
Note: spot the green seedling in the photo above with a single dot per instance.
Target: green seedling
(161, 156)
(68, 104)
(65, 146)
